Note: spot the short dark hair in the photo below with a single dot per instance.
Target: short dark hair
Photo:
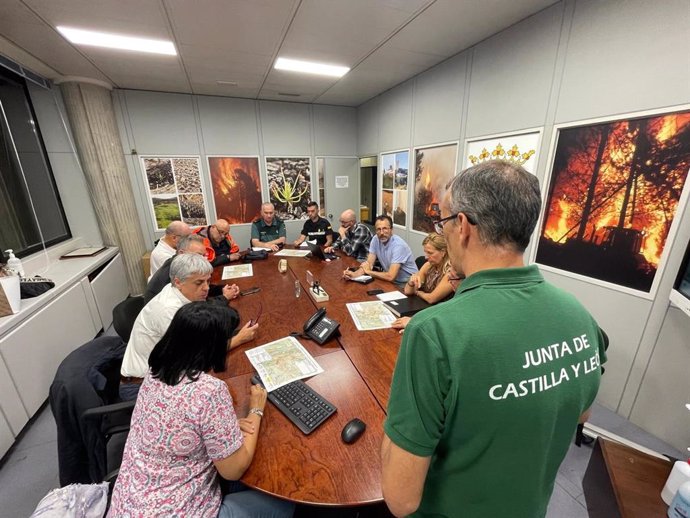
(313, 204)
(384, 217)
(196, 341)
(502, 198)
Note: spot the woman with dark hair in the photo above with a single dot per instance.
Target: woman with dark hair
(184, 429)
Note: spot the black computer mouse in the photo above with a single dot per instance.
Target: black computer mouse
(353, 430)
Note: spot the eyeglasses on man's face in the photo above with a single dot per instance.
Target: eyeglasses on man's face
(380, 230)
(439, 223)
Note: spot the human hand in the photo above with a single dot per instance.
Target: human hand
(247, 426)
(400, 323)
(231, 291)
(328, 249)
(246, 334)
(415, 281)
(343, 232)
(235, 257)
(275, 247)
(257, 397)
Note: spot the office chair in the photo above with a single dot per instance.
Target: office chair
(420, 262)
(88, 378)
(124, 315)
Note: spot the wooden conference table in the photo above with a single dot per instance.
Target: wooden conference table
(358, 366)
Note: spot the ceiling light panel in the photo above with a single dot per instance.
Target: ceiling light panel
(117, 41)
(310, 67)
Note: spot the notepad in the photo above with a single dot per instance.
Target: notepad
(406, 307)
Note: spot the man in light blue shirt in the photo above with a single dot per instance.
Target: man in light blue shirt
(393, 253)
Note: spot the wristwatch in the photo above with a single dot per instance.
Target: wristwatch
(256, 411)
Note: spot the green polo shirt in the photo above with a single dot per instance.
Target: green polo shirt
(266, 233)
(490, 385)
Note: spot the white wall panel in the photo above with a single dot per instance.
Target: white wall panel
(368, 128)
(285, 128)
(228, 126)
(625, 55)
(162, 124)
(335, 131)
(438, 102)
(512, 74)
(395, 117)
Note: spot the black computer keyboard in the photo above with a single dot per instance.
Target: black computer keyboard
(300, 404)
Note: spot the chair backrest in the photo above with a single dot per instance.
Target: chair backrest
(420, 261)
(124, 315)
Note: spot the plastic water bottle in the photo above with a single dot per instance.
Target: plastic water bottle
(298, 289)
(680, 506)
(679, 475)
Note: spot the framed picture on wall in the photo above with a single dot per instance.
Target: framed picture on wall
(520, 146)
(613, 193)
(289, 185)
(174, 190)
(395, 167)
(236, 186)
(435, 166)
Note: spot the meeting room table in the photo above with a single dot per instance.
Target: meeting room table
(319, 468)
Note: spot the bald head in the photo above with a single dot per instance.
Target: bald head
(268, 211)
(219, 231)
(348, 215)
(222, 225)
(175, 231)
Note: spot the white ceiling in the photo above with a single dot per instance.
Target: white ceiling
(385, 42)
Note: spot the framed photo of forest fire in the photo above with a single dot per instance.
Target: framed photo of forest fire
(395, 168)
(521, 147)
(289, 186)
(612, 198)
(175, 190)
(435, 166)
(236, 186)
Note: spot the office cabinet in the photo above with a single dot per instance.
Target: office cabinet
(109, 289)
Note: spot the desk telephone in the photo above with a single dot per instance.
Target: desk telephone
(320, 328)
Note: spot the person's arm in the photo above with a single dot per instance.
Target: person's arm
(234, 466)
(359, 236)
(402, 478)
(300, 239)
(329, 240)
(400, 323)
(439, 293)
(368, 264)
(234, 248)
(256, 236)
(247, 333)
(416, 280)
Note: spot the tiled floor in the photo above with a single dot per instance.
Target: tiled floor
(31, 470)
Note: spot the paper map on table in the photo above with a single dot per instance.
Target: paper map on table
(281, 362)
(370, 315)
(239, 270)
(292, 253)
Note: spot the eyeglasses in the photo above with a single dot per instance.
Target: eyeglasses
(439, 223)
(382, 229)
(222, 232)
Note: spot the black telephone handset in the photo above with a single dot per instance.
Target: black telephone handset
(320, 328)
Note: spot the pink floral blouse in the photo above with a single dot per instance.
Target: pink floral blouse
(176, 433)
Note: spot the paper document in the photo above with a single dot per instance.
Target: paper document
(304, 244)
(285, 252)
(282, 361)
(370, 315)
(236, 271)
(391, 295)
(259, 248)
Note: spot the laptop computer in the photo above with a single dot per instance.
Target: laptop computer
(317, 252)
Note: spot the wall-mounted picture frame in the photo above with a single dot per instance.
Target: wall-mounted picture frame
(236, 187)
(395, 167)
(521, 147)
(175, 190)
(435, 166)
(289, 185)
(612, 195)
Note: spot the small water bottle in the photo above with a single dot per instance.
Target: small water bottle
(298, 289)
(680, 506)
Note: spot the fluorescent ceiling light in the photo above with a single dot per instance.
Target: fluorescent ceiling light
(310, 67)
(116, 41)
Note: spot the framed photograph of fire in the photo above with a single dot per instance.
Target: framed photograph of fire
(236, 186)
(174, 190)
(289, 186)
(434, 167)
(612, 198)
(395, 167)
(521, 147)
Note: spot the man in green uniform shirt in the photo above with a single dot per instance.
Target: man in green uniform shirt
(269, 230)
(489, 387)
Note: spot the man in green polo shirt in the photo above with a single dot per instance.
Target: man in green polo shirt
(269, 230)
(489, 387)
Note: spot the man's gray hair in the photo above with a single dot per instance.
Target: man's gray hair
(188, 240)
(502, 199)
(185, 265)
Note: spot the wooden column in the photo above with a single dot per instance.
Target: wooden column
(92, 117)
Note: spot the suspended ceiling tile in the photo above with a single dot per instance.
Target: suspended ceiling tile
(224, 91)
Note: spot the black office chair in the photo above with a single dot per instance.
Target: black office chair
(81, 399)
(420, 261)
(124, 315)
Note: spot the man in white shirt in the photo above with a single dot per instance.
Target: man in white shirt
(168, 244)
(190, 275)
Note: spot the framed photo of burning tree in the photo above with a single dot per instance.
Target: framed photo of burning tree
(612, 198)
(435, 166)
(394, 172)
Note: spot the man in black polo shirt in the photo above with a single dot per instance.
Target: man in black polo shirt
(269, 230)
(315, 228)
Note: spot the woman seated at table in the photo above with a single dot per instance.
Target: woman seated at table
(184, 430)
(431, 282)
(453, 279)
